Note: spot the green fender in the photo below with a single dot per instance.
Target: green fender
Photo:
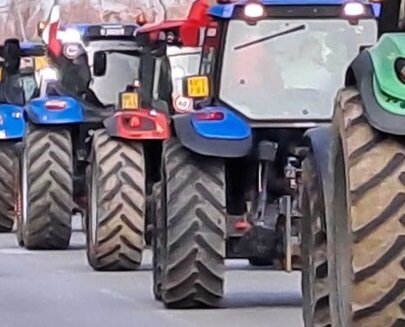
(382, 92)
(389, 90)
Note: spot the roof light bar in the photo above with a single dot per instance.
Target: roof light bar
(254, 10)
(353, 9)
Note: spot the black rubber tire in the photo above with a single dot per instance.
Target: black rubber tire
(8, 186)
(118, 169)
(48, 152)
(194, 268)
(158, 229)
(314, 280)
(150, 218)
(260, 262)
(369, 254)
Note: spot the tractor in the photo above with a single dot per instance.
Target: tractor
(12, 128)
(161, 89)
(88, 145)
(169, 59)
(231, 171)
(352, 196)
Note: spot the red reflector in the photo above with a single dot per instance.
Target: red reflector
(213, 115)
(134, 122)
(241, 225)
(55, 105)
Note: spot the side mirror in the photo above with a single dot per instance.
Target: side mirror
(196, 87)
(12, 56)
(99, 63)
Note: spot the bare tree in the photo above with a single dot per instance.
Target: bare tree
(22, 16)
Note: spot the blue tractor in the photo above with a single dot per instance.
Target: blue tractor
(231, 172)
(85, 145)
(18, 84)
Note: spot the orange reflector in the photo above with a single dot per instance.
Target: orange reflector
(141, 19)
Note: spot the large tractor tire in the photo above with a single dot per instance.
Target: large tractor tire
(159, 231)
(117, 200)
(314, 281)
(47, 188)
(9, 184)
(366, 236)
(193, 262)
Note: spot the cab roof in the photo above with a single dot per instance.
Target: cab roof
(26, 45)
(94, 30)
(29, 49)
(226, 11)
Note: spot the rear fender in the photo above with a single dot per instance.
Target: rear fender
(38, 113)
(380, 109)
(12, 122)
(321, 140)
(230, 137)
(142, 124)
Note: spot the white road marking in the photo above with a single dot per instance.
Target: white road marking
(16, 251)
(115, 294)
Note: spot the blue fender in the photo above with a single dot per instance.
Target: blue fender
(12, 122)
(230, 136)
(38, 113)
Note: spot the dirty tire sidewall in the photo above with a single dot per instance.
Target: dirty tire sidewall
(117, 204)
(157, 242)
(49, 193)
(8, 186)
(314, 280)
(194, 268)
(370, 253)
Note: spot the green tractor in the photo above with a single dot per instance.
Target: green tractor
(353, 198)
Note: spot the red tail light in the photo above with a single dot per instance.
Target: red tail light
(138, 125)
(213, 115)
(241, 225)
(134, 122)
(55, 105)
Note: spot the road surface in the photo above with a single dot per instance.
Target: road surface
(58, 289)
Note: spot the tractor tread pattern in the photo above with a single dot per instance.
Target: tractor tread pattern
(8, 186)
(314, 250)
(194, 270)
(50, 188)
(157, 242)
(376, 166)
(120, 203)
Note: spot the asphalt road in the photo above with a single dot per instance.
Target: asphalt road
(58, 289)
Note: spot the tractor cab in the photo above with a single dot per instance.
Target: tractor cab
(280, 63)
(172, 51)
(96, 63)
(33, 66)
